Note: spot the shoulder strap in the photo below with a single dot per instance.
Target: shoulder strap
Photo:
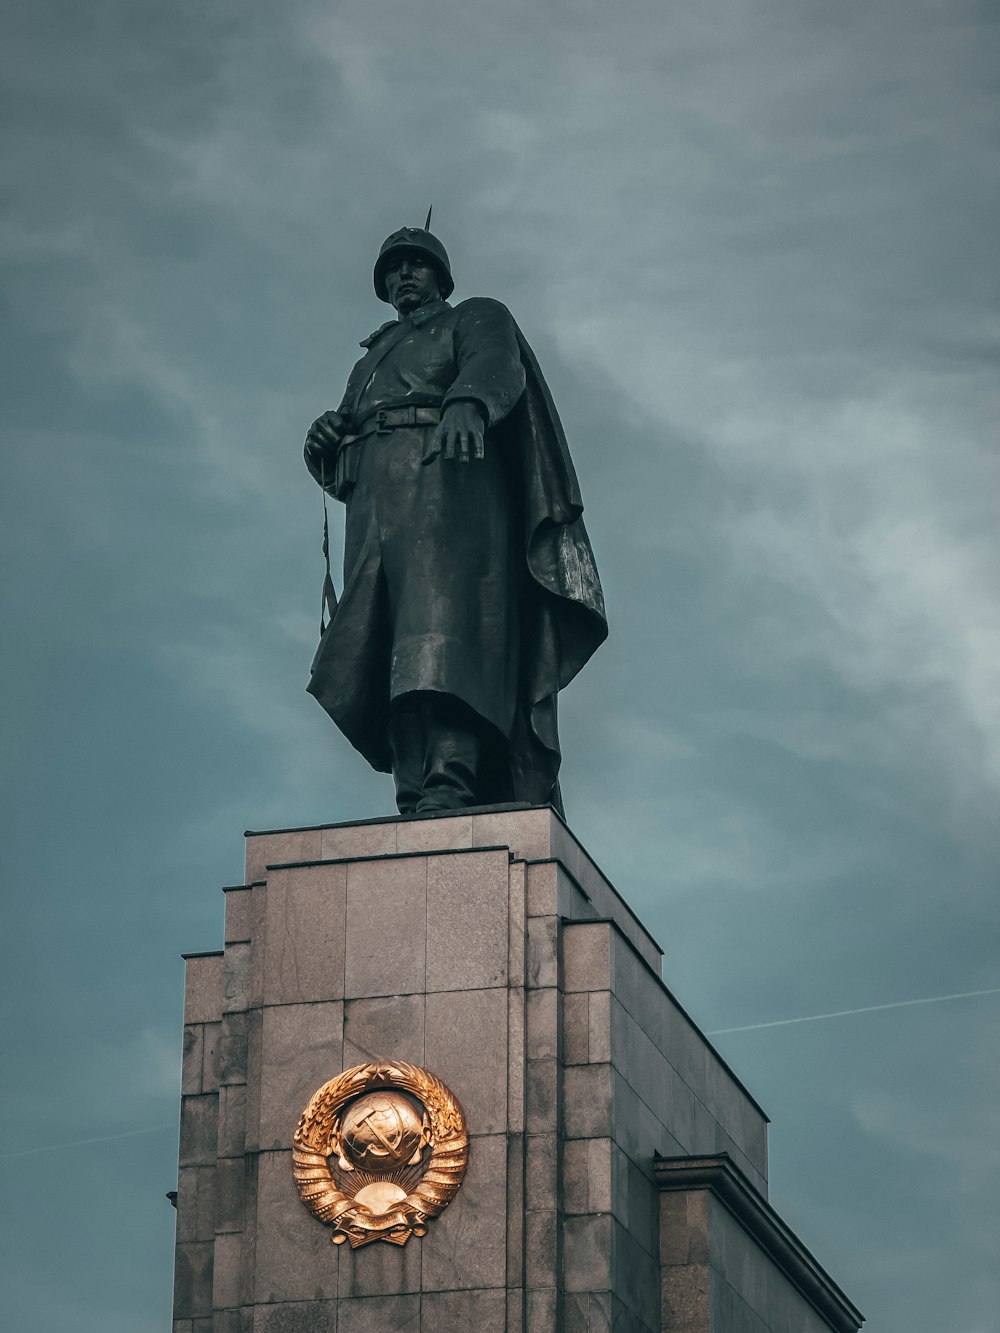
(328, 602)
(376, 355)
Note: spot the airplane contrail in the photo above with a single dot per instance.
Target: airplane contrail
(717, 1032)
(83, 1143)
(846, 1013)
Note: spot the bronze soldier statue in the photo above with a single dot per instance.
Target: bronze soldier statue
(470, 596)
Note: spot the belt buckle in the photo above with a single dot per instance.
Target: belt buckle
(380, 422)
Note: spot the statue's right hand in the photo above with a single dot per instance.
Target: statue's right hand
(325, 434)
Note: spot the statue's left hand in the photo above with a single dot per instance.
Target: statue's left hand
(460, 433)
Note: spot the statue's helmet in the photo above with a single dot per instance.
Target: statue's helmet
(417, 241)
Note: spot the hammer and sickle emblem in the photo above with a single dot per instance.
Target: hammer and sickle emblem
(379, 1109)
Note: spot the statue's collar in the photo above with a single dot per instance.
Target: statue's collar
(419, 317)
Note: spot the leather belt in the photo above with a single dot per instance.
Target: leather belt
(388, 419)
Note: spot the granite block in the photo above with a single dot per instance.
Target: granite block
(587, 956)
(542, 951)
(739, 1118)
(725, 1144)
(230, 1192)
(464, 1312)
(729, 1311)
(255, 1042)
(684, 1299)
(685, 1048)
(755, 1131)
(182, 1326)
(706, 1129)
(203, 989)
(236, 977)
(541, 1096)
(232, 1120)
(575, 1175)
(643, 1219)
(599, 1034)
(298, 1317)
(226, 1271)
(673, 1228)
(541, 1248)
(623, 1320)
(543, 889)
(466, 1247)
(542, 1166)
(587, 1312)
(697, 1204)
(587, 1093)
(752, 1275)
(587, 1175)
(684, 1227)
(295, 1260)
(301, 1049)
(199, 1130)
(528, 833)
(515, 1061)
(516, 877)
(465, 1044)
(252, 1225)
(515, 1310)
(358, 840)
(258, 920)
(381, 1270)
(386, 931)
(390, 1028)
(658, 1084)
(619, 1182)
(433, 835)
(193, 1279)
(228, 1050)
(576, 1029)
(196, 1203)
(376, 1314)
(517, 1189)
(636, 986)
(305, 923)
(268, 849)
(542, 1314)
(467, 928)
(237, 925)
(636, 1277)
(542, 1014)
(191, 1058)
(210, 1038)
(638, 1130)
(587, 1252)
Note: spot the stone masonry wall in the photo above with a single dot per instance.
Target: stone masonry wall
(491, 950)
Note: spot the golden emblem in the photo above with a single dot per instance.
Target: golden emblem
(380, 1149)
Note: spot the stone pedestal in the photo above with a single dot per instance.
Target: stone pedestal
(618, 1169)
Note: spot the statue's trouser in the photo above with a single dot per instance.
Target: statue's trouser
(435, 743)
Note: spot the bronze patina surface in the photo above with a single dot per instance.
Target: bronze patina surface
(471, 596)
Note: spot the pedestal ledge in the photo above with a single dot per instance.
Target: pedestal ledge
(720, 1176)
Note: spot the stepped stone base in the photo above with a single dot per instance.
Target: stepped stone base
(618, 1168)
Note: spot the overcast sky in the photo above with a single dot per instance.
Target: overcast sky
(753, 245)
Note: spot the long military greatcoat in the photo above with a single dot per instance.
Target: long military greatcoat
(474, 580)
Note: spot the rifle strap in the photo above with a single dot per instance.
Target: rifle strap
(328, 602)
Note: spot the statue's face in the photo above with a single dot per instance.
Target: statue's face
(411, 281)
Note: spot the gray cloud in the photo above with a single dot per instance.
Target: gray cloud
(753, 247)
